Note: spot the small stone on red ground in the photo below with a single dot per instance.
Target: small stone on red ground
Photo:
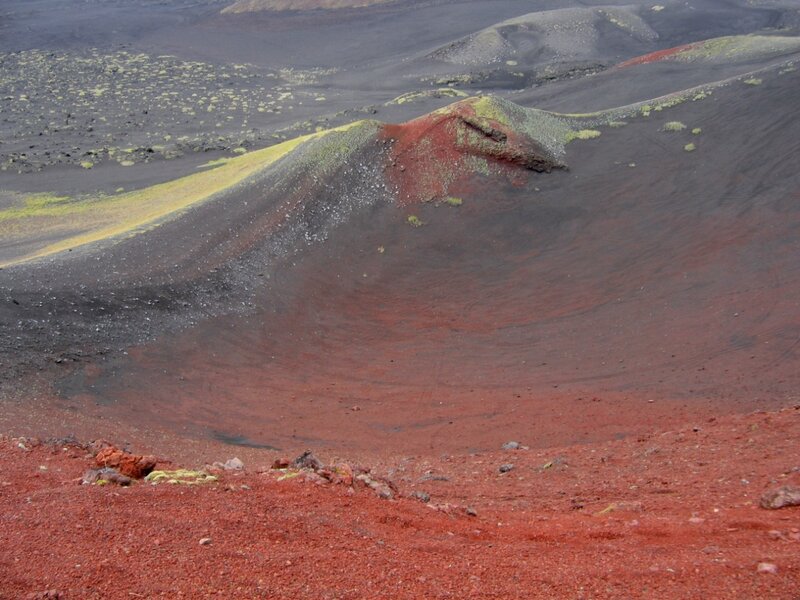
(781, 497)
(767, 568)
(281, 463)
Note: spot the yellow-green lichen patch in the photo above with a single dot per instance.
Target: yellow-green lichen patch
(180, 477)
(669, 102)
(81, 221)
(753, 81)
(414, 221)
(454, 201)
(673, 126)
(738, 47)
(697, 131)
(287, 474)
(583, 134)
(213, 163)
(690, 147)
(548, 129)
(38, 205)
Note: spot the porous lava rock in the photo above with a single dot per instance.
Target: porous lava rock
(105, 475)
(134, 466)
(787, 495)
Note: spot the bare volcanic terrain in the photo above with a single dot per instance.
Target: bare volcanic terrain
(399, 236)
(460, 278)
(668, 514)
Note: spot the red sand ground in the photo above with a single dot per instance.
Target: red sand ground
(671, 514)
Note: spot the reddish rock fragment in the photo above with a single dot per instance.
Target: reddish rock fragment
(281, 463)
(131, 465)
(341, 474)
(96, 446)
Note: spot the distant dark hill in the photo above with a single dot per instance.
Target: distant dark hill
(555, 36)
(568, 43)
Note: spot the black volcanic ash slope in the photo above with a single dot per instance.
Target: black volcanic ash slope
(663, 264)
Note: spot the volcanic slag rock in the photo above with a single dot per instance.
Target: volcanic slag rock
(134, 466)
(105, 475)
(233, 464)
(421, 496)
(307, 460)
(781, 497)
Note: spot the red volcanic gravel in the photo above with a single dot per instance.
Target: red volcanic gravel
(672, 514)
(656, 56)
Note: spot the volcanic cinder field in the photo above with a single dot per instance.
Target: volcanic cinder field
(522, 276)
